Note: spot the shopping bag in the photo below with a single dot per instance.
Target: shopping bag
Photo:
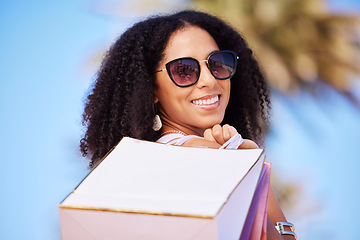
(147, 190)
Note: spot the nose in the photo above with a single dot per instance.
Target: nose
(206, 79)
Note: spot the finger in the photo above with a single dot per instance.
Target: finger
(208, 135)
(217, 133)
(226, 132)
(232, 131)
(248, 144)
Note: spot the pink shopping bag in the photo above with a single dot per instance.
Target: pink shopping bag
(256, 220)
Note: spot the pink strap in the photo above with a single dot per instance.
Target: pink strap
(178, 139)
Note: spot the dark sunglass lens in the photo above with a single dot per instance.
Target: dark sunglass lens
(222, 65)
(184, 72)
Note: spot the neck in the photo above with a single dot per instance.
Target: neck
(170, 126)
(173, 131)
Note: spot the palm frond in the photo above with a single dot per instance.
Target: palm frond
(297, 41)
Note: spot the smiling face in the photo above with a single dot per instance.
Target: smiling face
(200, 106)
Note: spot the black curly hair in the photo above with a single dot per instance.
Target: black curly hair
(121, 102)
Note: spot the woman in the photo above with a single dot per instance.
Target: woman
(190, 72)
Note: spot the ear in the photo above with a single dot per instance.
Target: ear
(156, 100)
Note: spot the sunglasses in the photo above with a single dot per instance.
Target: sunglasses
(185, 72)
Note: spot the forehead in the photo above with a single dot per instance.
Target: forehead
(190, 41)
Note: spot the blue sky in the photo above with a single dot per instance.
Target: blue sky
(43, 47)
(44, 52)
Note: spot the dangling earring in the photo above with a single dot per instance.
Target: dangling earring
(157, 121)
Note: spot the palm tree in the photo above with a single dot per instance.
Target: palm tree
(298, 42)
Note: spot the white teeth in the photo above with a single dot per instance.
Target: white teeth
(207, 101)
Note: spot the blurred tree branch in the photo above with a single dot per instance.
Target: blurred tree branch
(297, 42)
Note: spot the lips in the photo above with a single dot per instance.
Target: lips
(206, 101)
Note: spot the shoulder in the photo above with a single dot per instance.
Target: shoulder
(248, 144)
(201, 143)
(187, 141)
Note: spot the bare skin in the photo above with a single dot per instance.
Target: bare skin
(216, 136)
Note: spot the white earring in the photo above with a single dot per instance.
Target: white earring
(157, 123)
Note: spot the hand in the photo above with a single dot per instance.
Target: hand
(248, 144)
(219, 134)
(222, 134)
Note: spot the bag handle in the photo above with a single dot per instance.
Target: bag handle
(233, 143)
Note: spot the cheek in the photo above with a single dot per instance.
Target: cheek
(169, 95)
(226, 86)
(173, 98)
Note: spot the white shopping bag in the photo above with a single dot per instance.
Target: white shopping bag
(148, 190)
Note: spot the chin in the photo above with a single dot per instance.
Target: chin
(210, 124)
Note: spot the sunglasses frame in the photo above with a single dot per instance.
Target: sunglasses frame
(167, 66)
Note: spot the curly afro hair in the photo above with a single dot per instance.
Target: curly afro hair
(121, 102)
